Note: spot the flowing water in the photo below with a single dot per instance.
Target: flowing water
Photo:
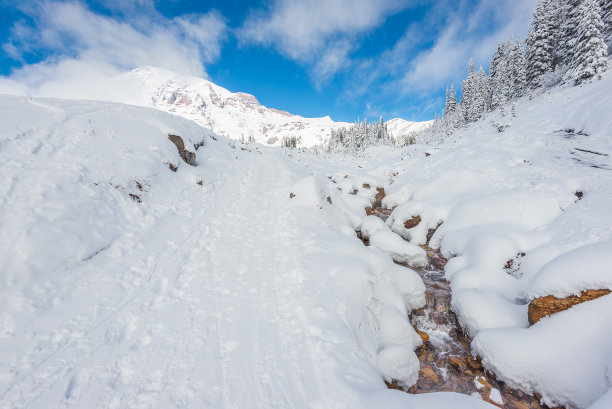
(445, 356)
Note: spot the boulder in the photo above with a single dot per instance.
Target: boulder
(379, 197)
(178, 141)
(187, 156)
(413, 222)
(542, 307)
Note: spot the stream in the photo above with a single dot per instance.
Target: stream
(446, 362)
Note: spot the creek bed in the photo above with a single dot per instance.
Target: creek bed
(445, 358)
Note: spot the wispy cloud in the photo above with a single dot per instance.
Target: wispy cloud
(472, 31)
(434, 52)
(78, 43)
(317, 33)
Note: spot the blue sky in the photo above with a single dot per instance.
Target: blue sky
(343, 58)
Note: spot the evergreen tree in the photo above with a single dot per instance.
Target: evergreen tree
(467, 95)
(519, 69)
(481, 95)
(497, 76)
(590, 57)
(452, 100)
(540, 43)
(568, 35)
(606, 17)
(446, 104)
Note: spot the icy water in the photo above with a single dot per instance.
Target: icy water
(445, 358)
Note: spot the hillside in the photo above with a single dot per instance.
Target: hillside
(132, 279)
(235, 115)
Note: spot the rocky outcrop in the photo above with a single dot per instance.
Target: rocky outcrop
(187, 156)
(542, 307)
(379, 197)
(412, 222)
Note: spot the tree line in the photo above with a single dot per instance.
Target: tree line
(568, 42)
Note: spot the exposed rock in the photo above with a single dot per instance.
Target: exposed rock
(187, 156)
(429, 373)
(178, 141)
(543, 306)
(368, 211)
(457, 362)
(379, 197)
(366, 186)
(329, 200)
(291, 195)
(413, 222)
(474, 362)
(424, 336)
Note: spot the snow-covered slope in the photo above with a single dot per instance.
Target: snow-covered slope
(399, 127)
(522, 213)
(235, 115)
(125, 284)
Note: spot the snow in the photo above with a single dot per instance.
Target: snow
(236, 115)
(564, 275)
(125, 284)
(495, 396)
(522, 213)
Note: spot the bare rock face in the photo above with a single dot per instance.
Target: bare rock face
(413, 222)
(379, 197)
(178, 141)
(187, 156)
(544, 306)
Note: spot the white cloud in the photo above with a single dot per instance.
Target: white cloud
(473, 32)
(82, 44)
(318, 33)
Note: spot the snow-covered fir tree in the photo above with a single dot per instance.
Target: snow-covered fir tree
(590, 57)
(606, 18)
(358, 137)
(568, 36)
(519, 69)
(541, 43)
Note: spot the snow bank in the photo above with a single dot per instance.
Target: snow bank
(524, 213)
(585, 268)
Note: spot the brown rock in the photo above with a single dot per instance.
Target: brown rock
(413, 222)
(178, 141)
(544, 306)
(519, 405)
(429, 373)
(424, 336)
(368, 211)
(474, 363)
(291, 195)
(366, 186)
(379, 197)
(457, 362)
(484, 382)
(188, 157)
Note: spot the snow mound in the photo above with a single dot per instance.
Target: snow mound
(585, 268)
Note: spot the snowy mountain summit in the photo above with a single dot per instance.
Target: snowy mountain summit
(237, 115)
